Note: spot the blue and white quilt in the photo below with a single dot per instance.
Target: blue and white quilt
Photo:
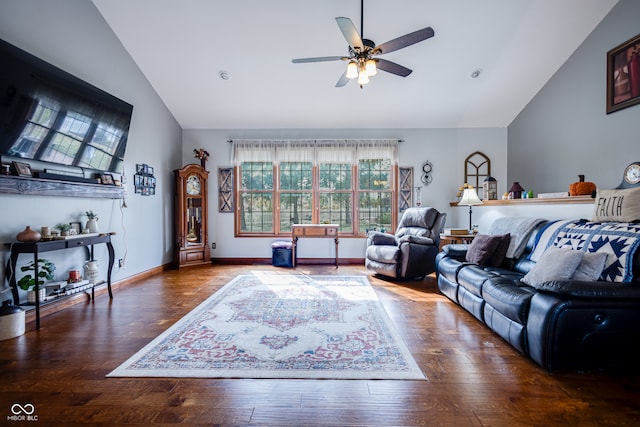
(619, 240)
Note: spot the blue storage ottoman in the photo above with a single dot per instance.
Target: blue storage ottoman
(282, 254)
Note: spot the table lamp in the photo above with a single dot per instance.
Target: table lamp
(469, 198)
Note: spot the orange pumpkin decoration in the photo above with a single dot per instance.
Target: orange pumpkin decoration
(582, 188)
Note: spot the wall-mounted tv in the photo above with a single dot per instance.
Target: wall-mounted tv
(48, 115)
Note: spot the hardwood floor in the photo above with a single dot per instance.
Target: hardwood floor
(475, 378)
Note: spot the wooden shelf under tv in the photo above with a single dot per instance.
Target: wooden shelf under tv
(11, 184)
(535, 201)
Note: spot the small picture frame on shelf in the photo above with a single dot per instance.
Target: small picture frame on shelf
(106, 178)
(22, 169)
(75, 228)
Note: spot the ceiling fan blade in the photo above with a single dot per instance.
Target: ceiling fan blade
(350, 33)
(318, 59)
(406, 40)
(392, 67)
(343, 80)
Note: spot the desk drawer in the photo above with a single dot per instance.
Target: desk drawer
(74, 243)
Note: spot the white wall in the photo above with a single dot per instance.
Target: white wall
(565, 131)
(72, 35)
(446, 149)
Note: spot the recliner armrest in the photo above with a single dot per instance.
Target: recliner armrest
(599, 289)
(379, 238)
(416, 239)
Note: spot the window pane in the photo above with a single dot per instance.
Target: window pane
(29, 141)
(375, 210)
(375, 174)
(256, 212)
(336, 208)
(295, 208)
(335, 176)
(62, 149)
(296, 176)
(257, 176)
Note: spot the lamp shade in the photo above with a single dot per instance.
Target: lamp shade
(469, 198)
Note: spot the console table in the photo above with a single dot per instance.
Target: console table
(314, 231)
(35, 248)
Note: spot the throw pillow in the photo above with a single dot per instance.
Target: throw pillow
(481, 248)
(617, 205)
(499, 254)
(554, 264)
(591, 266)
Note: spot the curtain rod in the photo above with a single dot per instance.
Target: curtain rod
(230, 141)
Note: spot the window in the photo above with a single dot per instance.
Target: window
(71, 137)
(350, 183)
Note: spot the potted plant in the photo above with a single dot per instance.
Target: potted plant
(92, 222)
(63, 227)
(28, 281)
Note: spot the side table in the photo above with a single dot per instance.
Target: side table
(446, 239)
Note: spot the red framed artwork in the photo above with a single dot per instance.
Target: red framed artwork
(623, 75)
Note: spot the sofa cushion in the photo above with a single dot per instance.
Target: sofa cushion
(590, 267)
(617, 205)
(472, 277)
(509, 299)
(500, 252)
(385, 254)
(554, 264)
(482, 248)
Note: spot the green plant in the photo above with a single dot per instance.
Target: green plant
(63, 227)
(45, 271)
(91, 215)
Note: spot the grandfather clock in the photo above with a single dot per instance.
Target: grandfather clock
(191, 216)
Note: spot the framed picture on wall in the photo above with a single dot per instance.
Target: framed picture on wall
(22, 169)
(623, 75)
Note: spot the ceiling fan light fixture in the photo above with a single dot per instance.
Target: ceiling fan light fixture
(363, 78)
(352, 70)
(370, 67)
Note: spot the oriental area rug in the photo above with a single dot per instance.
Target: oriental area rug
(270, 325)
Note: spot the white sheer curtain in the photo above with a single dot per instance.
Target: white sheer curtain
(316, 151)
(378, 149)
(332, 151)
(253, 150)
(296, 151)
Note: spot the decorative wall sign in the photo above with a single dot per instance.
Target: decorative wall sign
(143, 181)
(225, 189)
(623, 75)
(406, 189)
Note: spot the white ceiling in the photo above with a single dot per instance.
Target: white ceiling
(182, 45)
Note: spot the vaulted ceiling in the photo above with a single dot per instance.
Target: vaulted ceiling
(182, 46)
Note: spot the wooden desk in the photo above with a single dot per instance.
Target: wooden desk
(35, 248)
(446, 239)
(313, 231)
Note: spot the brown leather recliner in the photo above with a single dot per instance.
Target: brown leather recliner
(411, 252)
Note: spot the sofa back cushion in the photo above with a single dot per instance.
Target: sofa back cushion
(555, 264)
(482, 248)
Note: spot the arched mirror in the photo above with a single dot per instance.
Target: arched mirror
(477, 167)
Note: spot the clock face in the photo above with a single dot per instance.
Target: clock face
(632, 173)
(193, 185)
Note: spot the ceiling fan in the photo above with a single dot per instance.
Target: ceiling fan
(363, 61)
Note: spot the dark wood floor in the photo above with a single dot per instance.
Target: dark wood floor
(475, 378)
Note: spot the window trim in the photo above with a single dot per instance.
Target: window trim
(315, 193)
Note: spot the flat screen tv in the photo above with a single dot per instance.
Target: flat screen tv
(48, 115)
